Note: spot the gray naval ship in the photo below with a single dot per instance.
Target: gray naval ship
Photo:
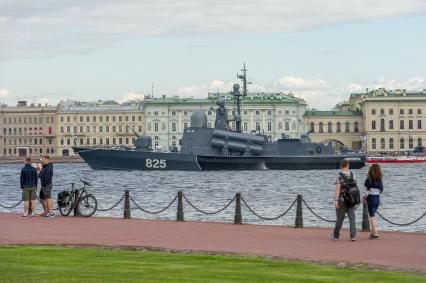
(218, 148)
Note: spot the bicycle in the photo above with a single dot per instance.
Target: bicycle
(86, 203)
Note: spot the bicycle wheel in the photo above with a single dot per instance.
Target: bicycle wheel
(66, 209)
(88, 205)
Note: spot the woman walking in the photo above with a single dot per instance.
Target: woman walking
(374, 187)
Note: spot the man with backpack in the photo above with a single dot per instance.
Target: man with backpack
(347, 197)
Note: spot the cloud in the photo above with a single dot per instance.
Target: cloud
(131, 96)
(4, 92)
(317, 92)
(52, 27)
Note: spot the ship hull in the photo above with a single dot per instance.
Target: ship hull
(112, 159)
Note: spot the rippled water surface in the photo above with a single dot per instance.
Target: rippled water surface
(268, 192)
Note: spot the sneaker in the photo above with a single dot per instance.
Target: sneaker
(353, 239)
(25, 214)
(33, 214)
(333, 238)
(43, 214)
(373, 237)
(50, 214)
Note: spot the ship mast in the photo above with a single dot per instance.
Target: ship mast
(239, 97)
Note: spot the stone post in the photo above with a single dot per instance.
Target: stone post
(238, 219)
(365, 218)
(179, 215)
(127, 205)
(299, 213)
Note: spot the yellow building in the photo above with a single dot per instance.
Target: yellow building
(340, 127)
(106, 124)
(27, 130)
(394, 121)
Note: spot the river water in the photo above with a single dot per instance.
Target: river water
(268, 192)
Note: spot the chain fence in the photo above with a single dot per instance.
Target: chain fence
(152, 212)
(111, 207)
(268, 218)
(11, 206)
(401, 224)
(208, 212)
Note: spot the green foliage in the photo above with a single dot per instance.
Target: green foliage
(58, 264)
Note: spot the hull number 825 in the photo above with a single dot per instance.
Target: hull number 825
(155, 163)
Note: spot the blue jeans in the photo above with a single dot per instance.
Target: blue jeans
(373, 202)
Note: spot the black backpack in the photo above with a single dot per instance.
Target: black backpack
(349, 189)
(63, 198)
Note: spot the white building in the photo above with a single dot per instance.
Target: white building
(272, 114)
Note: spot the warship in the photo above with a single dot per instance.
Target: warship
(220, 148)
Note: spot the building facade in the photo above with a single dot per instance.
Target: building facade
(272, 114)
(27, 130)
(106, 124)
(340, 127)
(389, 122)
(394, 121)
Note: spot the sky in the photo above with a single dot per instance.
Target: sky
(321, 51)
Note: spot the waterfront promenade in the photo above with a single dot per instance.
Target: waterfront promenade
(394, 251)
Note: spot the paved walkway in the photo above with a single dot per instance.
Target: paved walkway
(395, 251)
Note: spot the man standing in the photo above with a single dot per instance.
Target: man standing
(28, 186)
(342, 208)
(46, 175)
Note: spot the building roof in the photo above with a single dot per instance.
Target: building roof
(381, 93)
(318, 113)
(252, 98)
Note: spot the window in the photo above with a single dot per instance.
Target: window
(287, 126)
(373, 125)
(280, 126)
(401, 143)
(382, 125)
(312, 128)
(155, 127)
(185, 125)
(173, 113)
(163, 126)
(419, 111)
(101, 129)
(390, 124)
(87, 119)
(373, 111)
(391, 143)
(382, 143)
(329, 127)
(185, 113)
(401, 111)
(391, 111)
(419, 142)
(382, 111)
(321, 127)
(94, 140)
(173, 127)
(401, 124)
(245, 126)
(338, 127)
(356, 127)
(373, 143)
(257, 126)
(269, 112)
(410, 143)
(269, 126)
(101, 118)
(347, 127)
(410, 111)
(419, 124)
(257, 112)
(155, 113)
(68, 119)
(410, 124)
(149, 126)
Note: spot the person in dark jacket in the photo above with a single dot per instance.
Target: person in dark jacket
(28, 186)
(373, 188)
(46, 175)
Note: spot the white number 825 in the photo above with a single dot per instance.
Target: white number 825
(155, 163)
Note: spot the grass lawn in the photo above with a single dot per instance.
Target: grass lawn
(25, 263)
